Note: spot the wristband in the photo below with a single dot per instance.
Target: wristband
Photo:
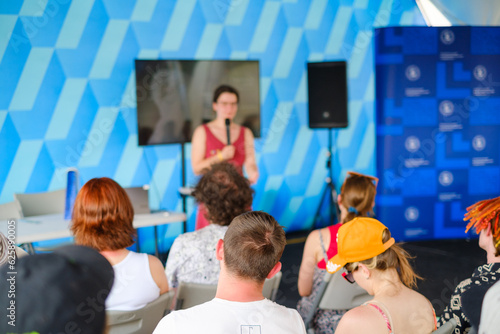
(219, 155)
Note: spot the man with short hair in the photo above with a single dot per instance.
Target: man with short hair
(249, 253)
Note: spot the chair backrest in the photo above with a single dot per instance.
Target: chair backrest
(335, 293)
(271, 286)
(139, 197)
(10, 210)
(36, 204)
(342, 295)
(192, 294)
(140, 321)
(447, 328)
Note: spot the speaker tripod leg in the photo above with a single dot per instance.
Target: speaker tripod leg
(329, 191)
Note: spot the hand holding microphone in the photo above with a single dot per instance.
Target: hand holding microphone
(228, 151)
(228, 130)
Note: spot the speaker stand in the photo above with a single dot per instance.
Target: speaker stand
(329, 190)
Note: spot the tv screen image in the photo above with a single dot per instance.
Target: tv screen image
(175, 96)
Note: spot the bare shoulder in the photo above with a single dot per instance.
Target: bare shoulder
(154, 262)
(199, 131)
(248, 132)
(361, 319)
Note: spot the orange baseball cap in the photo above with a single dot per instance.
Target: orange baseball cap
(358, 240)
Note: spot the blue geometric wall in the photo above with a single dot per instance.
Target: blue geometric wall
(67, 94)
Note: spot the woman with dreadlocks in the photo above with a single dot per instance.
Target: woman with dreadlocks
(466, 300)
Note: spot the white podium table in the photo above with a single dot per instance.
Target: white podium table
(48, 227)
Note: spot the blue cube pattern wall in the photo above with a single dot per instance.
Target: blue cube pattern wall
(67, 94)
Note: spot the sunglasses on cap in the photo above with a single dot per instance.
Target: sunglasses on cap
(372, 178)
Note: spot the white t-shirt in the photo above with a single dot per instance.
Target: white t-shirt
(490, 320)
(222, 316)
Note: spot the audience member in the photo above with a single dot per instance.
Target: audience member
(484, 217)
(59, 292)
(102, 219)
(226, 194)
(356, 199)
(374, 262)
(249, 253)
(490, 315)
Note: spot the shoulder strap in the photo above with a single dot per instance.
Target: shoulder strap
(433, 314)
(325, 256)
(385, 314)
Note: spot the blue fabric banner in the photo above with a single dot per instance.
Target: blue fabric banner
(438, 125)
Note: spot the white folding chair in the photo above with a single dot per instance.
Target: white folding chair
(447, 328)
(271, 286)
(335, 293)
(142, 321)
(192, 294)
(10, 210)
(44, 203)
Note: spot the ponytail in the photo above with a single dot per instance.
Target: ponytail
(358, 195)
(395, 257)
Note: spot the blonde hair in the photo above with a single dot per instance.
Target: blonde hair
(395, 257)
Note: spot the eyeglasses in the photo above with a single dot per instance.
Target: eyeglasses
(348, 276)
(228, 104)
(372, 178)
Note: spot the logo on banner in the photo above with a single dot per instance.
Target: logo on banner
(412, 144)
(446, 108)
(445, 178)
(412, 73)
(478, 143)
(411, 214)
(480, 72)
(447, 36)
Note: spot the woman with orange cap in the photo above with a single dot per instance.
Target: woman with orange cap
(372, 260)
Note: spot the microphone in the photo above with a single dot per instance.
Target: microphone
(228, 123)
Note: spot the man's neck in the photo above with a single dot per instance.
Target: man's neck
(238, 289)
(491, 258)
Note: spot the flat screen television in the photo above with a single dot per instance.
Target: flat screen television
(175, 96)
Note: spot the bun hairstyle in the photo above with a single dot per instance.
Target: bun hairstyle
(358, 195)
(395, 257)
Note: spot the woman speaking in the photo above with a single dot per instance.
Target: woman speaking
(222, 140)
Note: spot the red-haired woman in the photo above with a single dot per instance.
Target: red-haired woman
(102, 219)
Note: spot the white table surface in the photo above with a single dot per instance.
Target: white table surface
(47, 227)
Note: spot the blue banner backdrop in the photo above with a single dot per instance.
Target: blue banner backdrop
(438, 125)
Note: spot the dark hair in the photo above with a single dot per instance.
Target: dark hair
(358, 192)
(225, 89)
(394, 257)
(103, 215)
(224, 192)
(253, 244)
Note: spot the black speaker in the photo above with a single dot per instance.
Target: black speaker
(327, 87)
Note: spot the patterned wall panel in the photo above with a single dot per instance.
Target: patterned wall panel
(67, 94)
